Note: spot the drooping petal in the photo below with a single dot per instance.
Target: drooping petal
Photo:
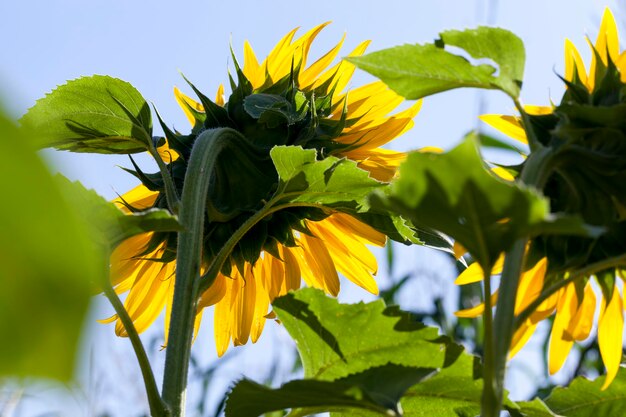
(189, 105)
(357, 229)
(610, 333)
(319, 270)
(560, 341)
(521, 336)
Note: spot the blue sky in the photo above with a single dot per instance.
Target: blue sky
(44, 43)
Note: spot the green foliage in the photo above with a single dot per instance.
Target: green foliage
(482, 212)
(358, 355)
(416, 71)
(97, 114)
(109, 224)
(534, 408)
(48, 264)
(378, 389)
(331, 182)
(584, 398)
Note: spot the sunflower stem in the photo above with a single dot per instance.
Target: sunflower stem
(489, 392)
(536, 172)
(157, 407)
(189, 258)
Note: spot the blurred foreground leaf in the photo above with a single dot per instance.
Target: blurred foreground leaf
(47, 265)
(109, 224)
(98, 114)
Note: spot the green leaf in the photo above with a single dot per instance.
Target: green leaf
(340, 184)
(455, 194)
(585, 398)
(97, 114)
(416, 71)
(499, 45)
(48, 265)
(534, 408)
(110, 225)
(378, 389)
(336, 340)
(331, 182)
(344, 366)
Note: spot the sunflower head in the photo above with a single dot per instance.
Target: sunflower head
(281, 101)
(586, 134)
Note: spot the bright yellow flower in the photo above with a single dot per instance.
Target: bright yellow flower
(574, 305)
(338, 242)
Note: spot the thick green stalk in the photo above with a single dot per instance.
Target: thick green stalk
(157, 408)
(536, 172)
(189, 258)
(489, 388)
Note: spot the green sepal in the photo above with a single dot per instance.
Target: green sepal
(97, 114)
(215, 116)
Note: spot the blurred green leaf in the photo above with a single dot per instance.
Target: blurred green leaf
(585, 398)
(416, 71)
(111, 226)
(98, 114)
(48, 266)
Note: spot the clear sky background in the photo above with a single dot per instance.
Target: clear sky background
(46, 42)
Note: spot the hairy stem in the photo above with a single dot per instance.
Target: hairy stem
(189, 258)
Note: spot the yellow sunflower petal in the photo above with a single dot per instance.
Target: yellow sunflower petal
(251, 68)
(224, 317)
(530, 285)
(321, 268)
(350, 256)
(219, 96)
(560, 341)
(574, 61)
(382, 164)
(357, 229)
(139, 197)
(308, 77)
(521, 336)
(474, 272)
(292, 269)
(610, 333)
(582, 322)
(476, 311)
(509, 125)
(188, 105)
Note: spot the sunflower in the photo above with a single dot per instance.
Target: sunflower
(311, 108)
(589, 151)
